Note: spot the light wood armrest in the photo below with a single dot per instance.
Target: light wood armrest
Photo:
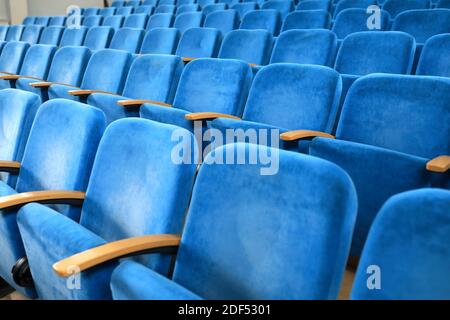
(10, 77)
(78, 93)
(440, 164)
(253, 65)
(186, 60)
(139, 103)
(198, 116)
(42, 84)
(12, 167)
(304, 134)
(116, 250)
(14, 201)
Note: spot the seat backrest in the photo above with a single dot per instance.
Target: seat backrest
(161, 41)
(223, 20)
(262, 223)
(138, 21)
(313, 46)
(14, 33)
(204, 3)
(445, 4)
(411, 229)
(143, 205)
(314, 5)
(245, 7)
(42, 21)
(183, 2)
(348, 4)
(52, 35)
(193, 7)
(423, 24)
(154, 77)
(12, 56)
(74, 37)
(214, 85)
(367, 52)
(3, 32)
(27, 21)
(145, 10)
(92, 21)
(128, 39)
(98, 38)
(282, 6)
(166, 8)
(252, 46)
(133, 3)
(90, 11)
(188, 20)
(269, 20)
(31, 34)
(308, 19)
(408, 114)
(59, 21)
(124, 11)
(355, 20)
(114, 22)
(434, 59)
(163, 2)
(118, 4)
(105, 12)
(394, 7)
(199, 43)
(210, 8)
(37, 61)
(69, 65)
(160, 20)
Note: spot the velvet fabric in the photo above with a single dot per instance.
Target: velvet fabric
(138, 21)
(124, 11)
(188, 20)
(309, 19)
(160, 20)
(42, 21)
(199, 43)
(210, 8)
(408, 242)
(74, 37)
(114, 22)
(305, 47)
(206, 85)
(434, 59)
(445, 4)
(28, 21)
(268, 19)
(347, 4)
(223, 20)
(139, 205)
(14, 33)
(314, 5)
(31, 34)
(128, 39)
(168, 8)
(282, 6)
(145, 9)
(161, 41)
(381, 135)
(321, 210)
(188, 8)
(251, 46)
(355, 20)
(244, 8)
(91, 11)
(92, 21)
(98, 38)
(51, 35)
(394, 7)
(151, 77)
(12, 56)
(106, 12)
(72, 131)
(59, 21)
(3, 32)
(204, 3)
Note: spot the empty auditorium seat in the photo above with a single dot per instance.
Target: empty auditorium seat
(269, 20)
(199, 43)
(240, 256)
(59, 21)
(166, 9)
(161, 41)
(188, 20)
(282, 6)
(183, 2)
(42, 21)
(3, 32)
(204, 3)
(124, 11)
(160, 20)
(145, 10)
(206, 85)
(314, 5)
(90, 11)
(394, 7)
(308, 19)
(251, 46)
(118, 4)
(12, 57)
(31, 34)
(114, 22)
(151, 78)
(138, 21)
(14, 33)
(52, 35)
(434, 59)
(380, 140)
(98, 38)
(351, 4)
(106, 71)
(92, 21)
(72, 131)
(188, 8)
(74, 37)
(305, 47)
(105, 12)
(128, 39)
(165, 2)
(407, 243)
(210, 8)
(244, 8)
(443, 4)
(355, 20)
(133, 3)
(28, 21)
(223, 20)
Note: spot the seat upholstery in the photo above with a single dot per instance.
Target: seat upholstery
(199, 43)
(245, 7)
(160, 20)
(314, 5)
(210, 8)
(148, 10)
(192, 7)
(42, 21)
(309, 19)
(92, 21)
(59, 21)
(167, 8)
(74, 37)
(268, 19)
(106, 12)
(31, 34)
(355, 20)
(27, 21)
(122, 201)
(223, 20)
(434, 58)
(124, 11)
(394, 7)
(90, 11)
(347, 4)
(14, 33)
(138, 21)
(114, 22)
(282, 6)
(128, 39)
(161, 41)
(12, 56)
(3, 32)
(98, 38)
(52, 35)
(188, 20)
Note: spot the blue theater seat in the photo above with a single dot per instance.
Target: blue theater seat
(313, 46)
(106, 12)
(188, 8)
(160, 20)
(3, 32)
(189, 20)
(314, 5)
(394, 7)
(408, 243)
(282, 6)
(445, 4)
(434, 60)
(206, 85)
(74, 37)
(128, 39)
(138, 21)
(269, 20)
(308, 19)
(166, 9)
(148, 10)
(165, 2)
(244, 8)
(90, 11)
(14, 33)
(380, 140)
(59, 21)
(351, 4)
(151, 77)
(183, 2)
(161, 41)
(251, 46)
(210, 8)
(12, 56)
(31, 34)
(199, 43)
(106, 71)
(133, 3)
(118, 4)
(153, 208)
(42, 21)
(239, 256)
(204, 3)
(52, 35)
(72, 131)
(124, 11)
(355, 20)
(114, 22)
(98, 38)
(27, 21)
(223, 20)
(92, 21)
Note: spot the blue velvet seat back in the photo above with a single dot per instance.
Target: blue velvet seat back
(160, 20)
(92, 21)
(128, 39)
(282, 6)
(114, 22)
(346, 4)
(305, 47)
(423, 24)
(210, 8)
(244, 8)
(74, 37)
(314, 5)
(214, 85)
(251, 46)
(42, 21)
(434, 60)
(14, 33)
(107, 71)
(408, 114)
(59, 21)
(409, 243)
(98, 38)
(69, 64)
(167, 8)
(394, 7)
(12, 56)
(161, 41)
(309, 19)
(27, 21)
(268, 19)
(37, 61)
(188, 20)
(105, 12)
(145, 10)
(188, 8)
(124, 11)
(3, 32)
(204, 3)
(367, 52)
(292, 96)
(223, 20)
(31, 34)
(52, 35)
(443, 4)
(199, 43)
(154, 192)
(248, 252)
(90, 11)
(355, 20)
(136, 21)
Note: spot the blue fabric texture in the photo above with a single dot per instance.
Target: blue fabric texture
(14, 33)
(12, 56)
(282, 6)
(310, 19)
(434, 57)
(52, 35)
(355, 20)
(98, 38)
(31, 34)
(394, 7)
(268, 19)
(188, 20)
(114, 22)
(223, 20)
(138, 21)
(74, 37)
(160, 20)
(161, 41)
(128, 39)
(199, 43)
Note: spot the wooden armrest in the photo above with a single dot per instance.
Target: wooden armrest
(253, 65)
(139, 103)
(304, 134)
(42, 84)
(440, 164)
(10, 77)
(14, 201)
(79, 93)
(198, 116)
(185, 59)
(116, 250)
(12, 167)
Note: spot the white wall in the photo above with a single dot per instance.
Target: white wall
(57, 7)
(4, 11)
